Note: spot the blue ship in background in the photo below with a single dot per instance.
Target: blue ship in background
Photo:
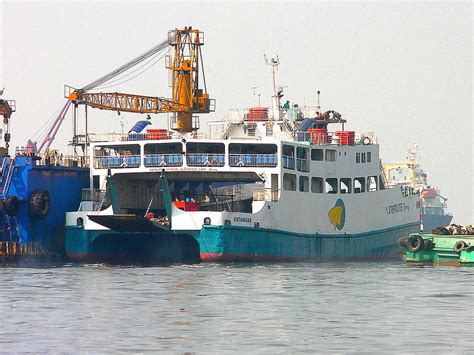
(35, 193)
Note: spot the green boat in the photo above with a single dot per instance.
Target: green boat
(438, 249)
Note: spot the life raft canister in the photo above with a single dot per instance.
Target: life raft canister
(11, 205)
(40, 203)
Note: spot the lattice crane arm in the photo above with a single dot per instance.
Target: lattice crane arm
(127, 102)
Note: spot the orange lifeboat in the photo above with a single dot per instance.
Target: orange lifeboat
(429, 193)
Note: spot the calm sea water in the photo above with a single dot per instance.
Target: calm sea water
(262, 308)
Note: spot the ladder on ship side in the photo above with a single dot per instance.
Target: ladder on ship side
(6, 177)
(11, 227)
(382, 174)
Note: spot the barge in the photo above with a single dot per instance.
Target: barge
(438, 249)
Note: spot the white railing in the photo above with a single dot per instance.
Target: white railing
(258, 160)
(203, 159)
(155, 160)
(121, 161)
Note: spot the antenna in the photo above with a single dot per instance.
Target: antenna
(318, 107)
(254, 95)
(274, 63)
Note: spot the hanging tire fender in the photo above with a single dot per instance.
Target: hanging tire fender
(403, 242)
(11, 205)
(415, 243)
(40, 203)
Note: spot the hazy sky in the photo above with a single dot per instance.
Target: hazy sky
(402, 70)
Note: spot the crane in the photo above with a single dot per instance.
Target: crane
(7, 107)
(187, 96)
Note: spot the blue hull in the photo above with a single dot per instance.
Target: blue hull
(110, 246)
(64, 186)
(233, 243)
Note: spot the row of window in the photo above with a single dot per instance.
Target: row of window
(361, 157)
(332, 185)
(321, 154)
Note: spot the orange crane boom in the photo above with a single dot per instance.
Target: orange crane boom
(187, 96)
(127, 102)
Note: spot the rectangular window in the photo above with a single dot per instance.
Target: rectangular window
(359, 185)
(363, 157)
(317, 185)
(304, 184)
(369, 157)
(330, 155)
(372, 183)
(317, 154)
(381, 183)
(331, 185)
(345, 185)
(357, 157)
(289, 182)
(302, 156)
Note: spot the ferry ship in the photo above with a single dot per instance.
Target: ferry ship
(410, 174)
(277, 184)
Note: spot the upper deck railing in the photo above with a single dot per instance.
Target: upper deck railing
(192, 160)
(253, 160)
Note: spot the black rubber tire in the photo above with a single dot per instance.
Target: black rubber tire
(415, 243)
(403, 242)
(12, 205)
(428, 244)
(40, 203)
(460, 246)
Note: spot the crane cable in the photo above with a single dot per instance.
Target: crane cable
(130, 64)
(115, 83)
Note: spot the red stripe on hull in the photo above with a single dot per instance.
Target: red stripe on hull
(215, 257)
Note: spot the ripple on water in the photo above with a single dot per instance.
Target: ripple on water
(247, 307)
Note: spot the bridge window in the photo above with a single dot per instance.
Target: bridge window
(331, 185)
(345, 185)
(363, 157)
(289, 182)
(330, 155)
(317, 185)
(357, 157)
(304, 184)
(369, 157)
(359, 185)
(317, 154)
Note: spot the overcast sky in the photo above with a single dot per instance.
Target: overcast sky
(402, 70)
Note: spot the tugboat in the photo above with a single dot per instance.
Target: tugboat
(409, 174)
(275, 184)
(35, 193)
